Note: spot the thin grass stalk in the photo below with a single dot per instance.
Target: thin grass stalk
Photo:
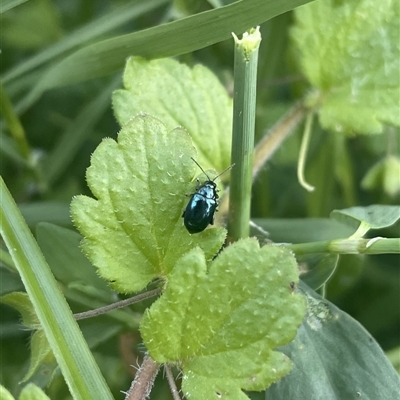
(244, 109)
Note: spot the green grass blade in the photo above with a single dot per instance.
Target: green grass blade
(171, 39)
(9, 150)
(14, 124)
(95, 28)
(70, 349)
(9, 4)
(77, 133)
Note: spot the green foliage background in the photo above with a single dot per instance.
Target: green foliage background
(64, 125)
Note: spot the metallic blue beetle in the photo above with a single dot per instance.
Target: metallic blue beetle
(199, 213)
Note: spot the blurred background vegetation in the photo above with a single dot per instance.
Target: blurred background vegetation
(64, 125)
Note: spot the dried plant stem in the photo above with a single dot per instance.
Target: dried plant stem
(116, 305)
(267, 147)
(171, 382)
(144, 380)
(276, 136)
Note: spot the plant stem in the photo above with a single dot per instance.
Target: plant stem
(376, 245)
(244, 108)
(303, 154)
(129, 318)
(118, 304)
(144, 380)
(271, 141)
(171, 382)
(267, 147)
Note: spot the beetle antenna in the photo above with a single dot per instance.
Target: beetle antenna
(226, 169)
(204, 172)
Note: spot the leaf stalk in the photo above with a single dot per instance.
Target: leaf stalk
(377, 245)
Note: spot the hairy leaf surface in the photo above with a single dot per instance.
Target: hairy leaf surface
(221, 326)
(180, 96)
(133, 230)
(350, 52)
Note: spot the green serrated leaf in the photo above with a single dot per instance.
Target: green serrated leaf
(32, 392)
(134, 231)
(20, 301)
(349, 51)
(180, 96)
(373, 217)
(222, 326)
(334, 358)
(5, 394)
